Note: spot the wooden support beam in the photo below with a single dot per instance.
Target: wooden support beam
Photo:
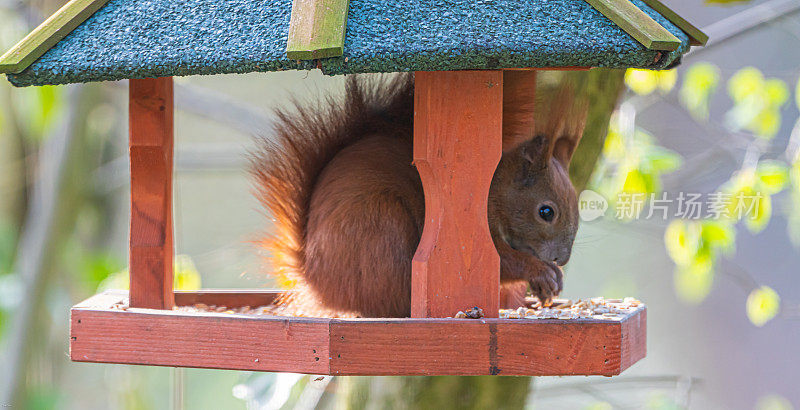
(47, 34)
(316, 29)
(637, 23)
(457, 146)
(151, 148)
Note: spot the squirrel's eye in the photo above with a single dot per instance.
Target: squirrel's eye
(547, 213)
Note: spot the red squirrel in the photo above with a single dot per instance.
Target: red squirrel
(348, 205)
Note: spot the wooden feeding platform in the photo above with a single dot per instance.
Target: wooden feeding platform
(104, 330)
(468, 69)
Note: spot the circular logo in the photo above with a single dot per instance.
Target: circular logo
(591, 205)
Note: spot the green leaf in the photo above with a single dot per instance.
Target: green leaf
(642, 82)
(699, 82)
(667, 80)
(614, 146)
(683, 241)
(662, 160)
(693, 282)
(760, 216)
(763, 304)
(186, 275)
(766, 124)
(718, 235)
(97, 267)
(777, 93)
(772, 175)
(639, 181)
(745, 83)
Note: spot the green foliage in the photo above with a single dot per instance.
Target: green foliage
(40, 108)
(8, 247)
(98, 266)
(632, 163)
(186, 276)
(763, 304)
(695, 247)
(757, 103)
(699, 82)
(42, 398)
(644, 82)
(751, 192)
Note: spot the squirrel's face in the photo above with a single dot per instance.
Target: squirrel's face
(533, 205)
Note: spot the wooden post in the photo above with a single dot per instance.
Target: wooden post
(151, 146)
(457, 146)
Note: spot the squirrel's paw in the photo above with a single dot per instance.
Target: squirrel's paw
(546, 282)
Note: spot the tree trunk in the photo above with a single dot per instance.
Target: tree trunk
(602, 87)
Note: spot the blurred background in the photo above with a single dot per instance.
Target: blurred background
(723, 294)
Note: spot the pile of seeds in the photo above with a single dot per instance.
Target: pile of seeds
(594, 308)
(244, 310)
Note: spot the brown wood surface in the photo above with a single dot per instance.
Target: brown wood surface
(218, 341)
(410, 347)
(151, 148)
(232, 298)
(559, 348)
(103, 330)
(634, 340)
(457, 145)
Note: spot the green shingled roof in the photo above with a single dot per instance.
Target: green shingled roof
(156, 38)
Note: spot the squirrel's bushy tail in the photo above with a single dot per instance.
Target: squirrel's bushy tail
(287, 164)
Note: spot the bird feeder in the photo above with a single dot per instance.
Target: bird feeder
(468, 56)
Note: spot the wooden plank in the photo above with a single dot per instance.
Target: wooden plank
(634, 340)
(151, 152)
(316, 29)
(457, 145)
(47, 34)
(232, 298)
(637, 23)
(696, 36)
(559, 348)
(111, 333)
(410, 347)
(217, 341)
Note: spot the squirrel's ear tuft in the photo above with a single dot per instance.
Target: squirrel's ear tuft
(564, 124)
(519, 93)
(536, 151)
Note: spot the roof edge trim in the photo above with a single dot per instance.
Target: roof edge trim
(637, 23)
(696, 36)
(47, 34)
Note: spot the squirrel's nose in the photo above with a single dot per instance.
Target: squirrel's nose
(562, 258)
